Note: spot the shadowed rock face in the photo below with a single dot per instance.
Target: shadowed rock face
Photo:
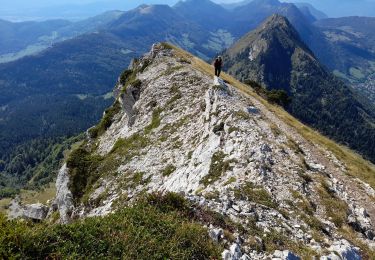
(224, 150)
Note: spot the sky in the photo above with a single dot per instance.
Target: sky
(42, 9)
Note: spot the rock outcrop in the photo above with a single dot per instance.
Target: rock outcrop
(64, 198)
(225, 149)
(34, 212)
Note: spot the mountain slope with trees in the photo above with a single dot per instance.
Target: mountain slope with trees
(275, 56)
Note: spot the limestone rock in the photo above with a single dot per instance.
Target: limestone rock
(64, 198)
(216, 234)
(345, 250)
(284, 255)
(35, 211)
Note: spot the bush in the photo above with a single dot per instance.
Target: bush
(125, 76)
(82, 171)
(106, 121)
(8, 192)
(136, 83)
(279, 97)
(274, 96)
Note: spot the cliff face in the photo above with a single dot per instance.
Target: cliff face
(174, 129)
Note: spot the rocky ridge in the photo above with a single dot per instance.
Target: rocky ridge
(172, 129)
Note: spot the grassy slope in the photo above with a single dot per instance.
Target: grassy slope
(43, 195)
(154, 228)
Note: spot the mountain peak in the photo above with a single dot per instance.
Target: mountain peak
(275, 30)
(266, 2)
(204, 12)
(279, 26)
(277, 20)
(275, 56)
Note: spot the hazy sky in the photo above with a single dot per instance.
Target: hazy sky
(47, 8)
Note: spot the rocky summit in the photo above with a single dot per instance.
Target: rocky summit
(289, 192)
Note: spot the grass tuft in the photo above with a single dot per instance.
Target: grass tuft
(169, 170)
(217, 168)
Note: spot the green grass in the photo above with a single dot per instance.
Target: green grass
(157, 227)
(172, 70)
(155, 121)
(176, 95)
(86, 167)
(106, 121)
(336, 209)
(230, 181)
(4, 203)
(168, 170)
(217, 168)
(233, 129)
(133, 143)
(42, 195)
(253, 193)
(125, 76)
(242, 115)
(82, 171)
(275, 129)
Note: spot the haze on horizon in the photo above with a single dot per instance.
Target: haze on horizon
(18, 10)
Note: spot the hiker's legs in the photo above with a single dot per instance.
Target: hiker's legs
(218, 72)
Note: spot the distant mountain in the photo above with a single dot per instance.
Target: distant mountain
(71, 10)
(247, 15)
(28, 38)
(147, 24)
(276, 56)
(345, 45)
(306, 7)
(352, 55)
(205, 12)
(341, 8)
(17, 36)
(231, 6)
(57, 93)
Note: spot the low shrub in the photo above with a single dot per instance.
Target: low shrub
(274, 96)
(124, 77)
(82, 171)
(106, 121)
(169, 170)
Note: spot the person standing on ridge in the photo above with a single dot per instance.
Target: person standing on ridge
(218, 64)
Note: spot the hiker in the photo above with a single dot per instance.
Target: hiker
(218, 64)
